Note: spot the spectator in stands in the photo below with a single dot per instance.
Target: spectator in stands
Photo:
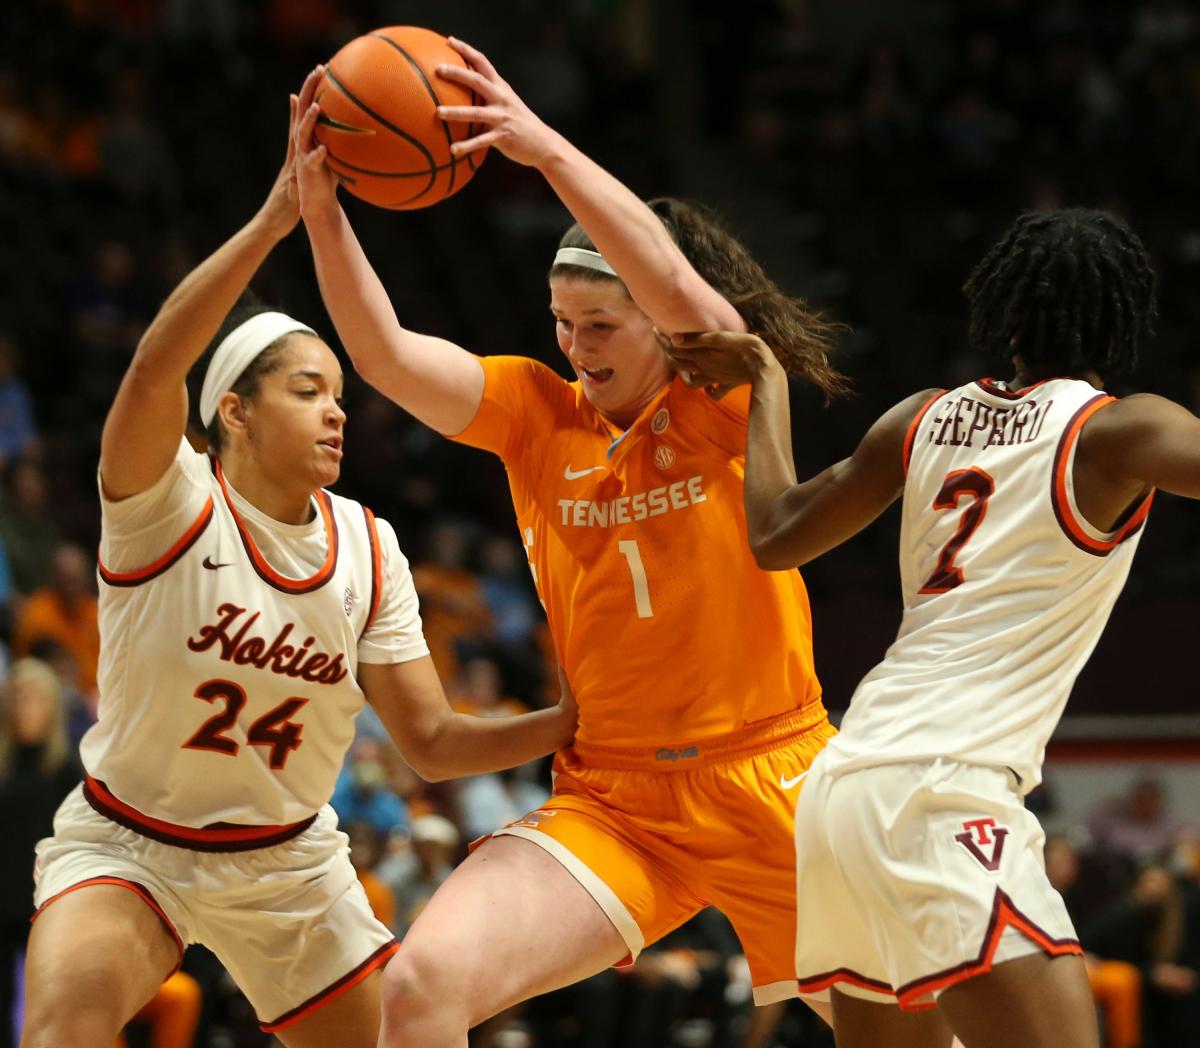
(17, 432)
(414, 879)
(487, 802)
(508, 590)
(366, 851)
(1138, 827)
(362, 793)
(453, 610)
(479, 691)
(1153, 927)
(64, 611)
(80, 705)
(38, 768)
(28, 527)
(1116, 984)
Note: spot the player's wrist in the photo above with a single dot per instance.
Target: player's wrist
(554, 153)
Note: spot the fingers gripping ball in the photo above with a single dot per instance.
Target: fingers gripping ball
(379, 124)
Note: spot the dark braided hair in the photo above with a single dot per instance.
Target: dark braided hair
(800, 337)
(1069, 291)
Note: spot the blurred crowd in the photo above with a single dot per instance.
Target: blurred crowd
(868, 152)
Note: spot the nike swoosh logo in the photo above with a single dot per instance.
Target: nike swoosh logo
(572, 474)
(207, 563)
(787, 784)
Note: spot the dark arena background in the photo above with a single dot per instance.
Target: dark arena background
(867, 151)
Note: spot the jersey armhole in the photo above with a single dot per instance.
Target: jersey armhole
(1081, 533)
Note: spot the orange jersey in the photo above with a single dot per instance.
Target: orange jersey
(666, 627)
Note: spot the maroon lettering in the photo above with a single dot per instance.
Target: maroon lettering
(956, 437)
(983, 416)
(278, 657)
(975, 837)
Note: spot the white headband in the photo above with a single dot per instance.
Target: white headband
(578, 256)
(237, 350)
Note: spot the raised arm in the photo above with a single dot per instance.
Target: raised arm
(435, 380)
(625, 231)
(149, 413)
(790, 523)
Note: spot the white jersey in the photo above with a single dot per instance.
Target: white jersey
(229, 649)
(1006, 586)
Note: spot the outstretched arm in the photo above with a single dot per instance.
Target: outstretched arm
(149, 413)
(441, 744)
(1145, 441)
(790, 523)
(435, 380)
(625, 231)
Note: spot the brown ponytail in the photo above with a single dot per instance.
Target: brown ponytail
(801, 338)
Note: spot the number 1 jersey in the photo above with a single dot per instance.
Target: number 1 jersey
(1006, 586)
(667, 629)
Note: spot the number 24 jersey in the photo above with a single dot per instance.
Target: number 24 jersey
(229, 649)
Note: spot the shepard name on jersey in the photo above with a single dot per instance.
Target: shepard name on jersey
(966, 422)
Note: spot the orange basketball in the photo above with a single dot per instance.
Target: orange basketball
(379, 123)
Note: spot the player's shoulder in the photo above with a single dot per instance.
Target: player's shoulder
(525, 377)
(1131, 417)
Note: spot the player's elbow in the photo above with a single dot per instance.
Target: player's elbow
(428, 754)
(769, 557)
(770, 550)
(429, 766)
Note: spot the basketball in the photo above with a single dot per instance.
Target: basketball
(379, 122)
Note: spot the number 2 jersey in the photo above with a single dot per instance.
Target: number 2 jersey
(1006, 586)
(229, 648)
(667, 629)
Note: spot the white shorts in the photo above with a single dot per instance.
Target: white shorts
(914, 877)
(290, 922)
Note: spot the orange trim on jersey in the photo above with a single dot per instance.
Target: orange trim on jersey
(217, 837)
(1004, 915)
(918, 995)
(376, 567)
(136, 578)
(140, 890)
(817, 983)
(267, 573)
(911, 435)
(331, 993)
(1058, 494)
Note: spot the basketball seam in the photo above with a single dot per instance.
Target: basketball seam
(383, 174)
(391, 127)
(436, 101)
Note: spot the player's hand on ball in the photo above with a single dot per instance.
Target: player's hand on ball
(720, 361)
(316, 184)
(281, 210)
(509, 124)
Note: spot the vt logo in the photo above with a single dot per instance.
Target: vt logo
(983, 833)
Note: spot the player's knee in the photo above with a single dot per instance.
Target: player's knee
(51, 1024)
(415, 987)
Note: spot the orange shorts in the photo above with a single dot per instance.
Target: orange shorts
(657, 834)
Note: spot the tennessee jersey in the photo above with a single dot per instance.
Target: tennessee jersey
(666, 627)
(228, 659)
(1006, 586)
